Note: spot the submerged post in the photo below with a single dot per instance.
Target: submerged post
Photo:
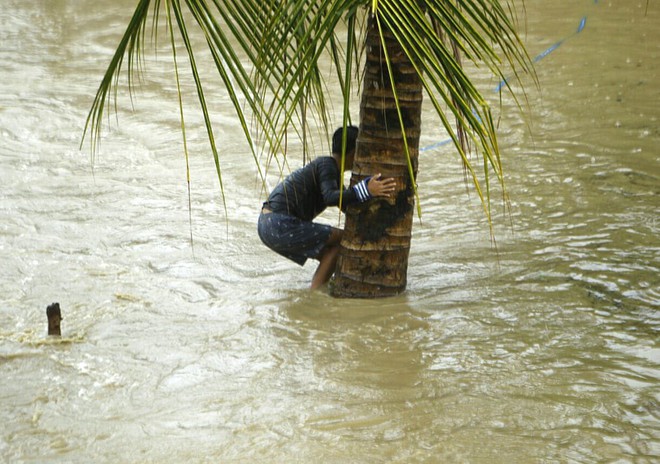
(54, 317)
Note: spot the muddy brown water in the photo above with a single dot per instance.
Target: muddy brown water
(544, 351)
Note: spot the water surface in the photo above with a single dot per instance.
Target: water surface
(544, 350)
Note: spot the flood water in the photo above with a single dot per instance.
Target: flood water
(543, 350)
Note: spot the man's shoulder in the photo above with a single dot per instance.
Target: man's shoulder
(325, 163)
(320, 167)
(323, 160)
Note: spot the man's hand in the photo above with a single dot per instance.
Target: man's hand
(379, 187)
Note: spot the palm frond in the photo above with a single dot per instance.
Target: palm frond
(434, 35)
(277, 59)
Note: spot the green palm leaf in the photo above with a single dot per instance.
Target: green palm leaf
(272, 56)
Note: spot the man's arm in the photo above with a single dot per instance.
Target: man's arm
(374, 186)
(379, 187)
(328, 175)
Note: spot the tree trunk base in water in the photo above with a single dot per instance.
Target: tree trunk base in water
(373, 261)
(359, 279)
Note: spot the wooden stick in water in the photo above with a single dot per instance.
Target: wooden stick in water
(54, 317)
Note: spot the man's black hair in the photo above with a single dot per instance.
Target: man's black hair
(351, 138)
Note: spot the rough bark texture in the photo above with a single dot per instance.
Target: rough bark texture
(373, 260)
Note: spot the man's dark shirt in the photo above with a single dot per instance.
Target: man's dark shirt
(305, 193)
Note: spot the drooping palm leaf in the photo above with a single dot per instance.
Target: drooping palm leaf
(272, 58)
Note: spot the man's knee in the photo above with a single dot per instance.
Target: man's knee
(328, 252)
(335, 237)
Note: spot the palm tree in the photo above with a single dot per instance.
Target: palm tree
(373, 259)
(268, 55)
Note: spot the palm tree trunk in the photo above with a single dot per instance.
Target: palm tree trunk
(373, 260)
